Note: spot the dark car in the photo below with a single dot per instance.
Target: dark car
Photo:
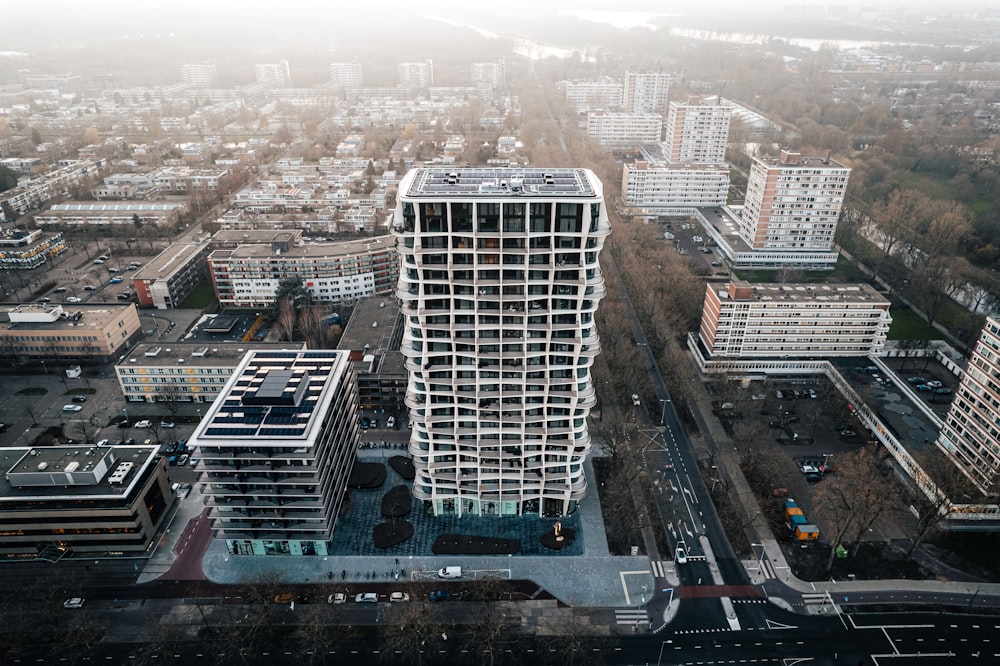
(943, 391)
(79, 398)
(814, 477)
(440, 595)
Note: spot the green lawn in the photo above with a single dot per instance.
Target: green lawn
(843, 271)
(200, 297)
(907, 325)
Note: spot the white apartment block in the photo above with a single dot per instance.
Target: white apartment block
(605, 93)
(793, 203)
(499, 284)
(756, 321)
(199, 75)
(276, 74)
(345, 74)
(971, 433)
(416, 74)
(646, 92)
(489, 74)
(696, 132)
(656, 188)
(32, 193)
(624, 130)
(276, 450)
(248, 275)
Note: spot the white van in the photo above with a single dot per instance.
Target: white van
(450, 572)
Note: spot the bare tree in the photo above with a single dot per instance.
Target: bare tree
(285, 321)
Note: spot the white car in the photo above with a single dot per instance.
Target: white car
(75, 602)
(74, 299)
(72, 408)
(336, 598)
(103, 442)
(168, 424)
(366, 598)
(635, 399)
(399, 596)
(390, 422)
(145, 423)
(680, 556)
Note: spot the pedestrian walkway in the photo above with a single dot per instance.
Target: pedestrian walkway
(633, 616)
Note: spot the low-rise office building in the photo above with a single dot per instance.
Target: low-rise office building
(183, 371)
(88, 333)
(373, 337)
(82, 499)
(277, 448)
(77, 214)
(167, 280)
(747, 321)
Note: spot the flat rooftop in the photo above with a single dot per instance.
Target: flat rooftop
(841, 293)
(492, 182)
(376, 348)
(195, 355)
(232, 237)
(169, 261)
(81, 460)
(311, 250)
(126, 207)
(76, 317)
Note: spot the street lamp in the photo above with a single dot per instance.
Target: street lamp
(663, 411)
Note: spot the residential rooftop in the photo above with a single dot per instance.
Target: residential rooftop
(847, 292)
(170, 260)
(491, 182)
(194, 355)
(66, 472)
(315, 250)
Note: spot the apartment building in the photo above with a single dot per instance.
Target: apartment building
(604, 93)
(373, 337)
(21, 249)
(971, 436)
(748, 321)
(277, 74)
(416, 74)
(646, 92)
(624, 130)
(277, 447)
(76, 214)
(91, 333)
(81, 500)
(651, 187)
(32, 193)
(345, 74)
(183, 371)
(167, 280)
(336, 272)
(696, 132)
(199, 75)
(793, 203)
(489, 74)
(499, 284)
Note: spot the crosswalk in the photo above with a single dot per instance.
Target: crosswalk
(661, 567)
(815, 598)
(633, 616)
(766, 568)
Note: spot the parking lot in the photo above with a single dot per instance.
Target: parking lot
(688, 239)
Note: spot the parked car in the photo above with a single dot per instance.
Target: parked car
(336, 598)
(915, 380)
(114, 270)
(103, 442)
(925, 387)
(809, 469)
(450, 572)
(167, 424)
(72, 408)
(74, 299)
(75, 602)
(935, 384)
(59, 290)
(284, 598)
(759, 396)
(440, 595)
(944, 390)
(89, 287)
(780, 395)
(116, 280)
(366, 598)
(399, 596)
(79, 398)
(774, 424)
(814, 477)
(145, 423)
(183, 459)
(390, 422)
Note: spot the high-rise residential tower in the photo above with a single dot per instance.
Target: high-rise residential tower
(345, 75)
(793, 203)
(277, 74)
(499, 283)
(416, 74)
(199, 74)
(696, 132)
(490, 74)
(646, 92)
(970, 436)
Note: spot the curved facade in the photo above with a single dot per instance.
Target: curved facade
(499, 282)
